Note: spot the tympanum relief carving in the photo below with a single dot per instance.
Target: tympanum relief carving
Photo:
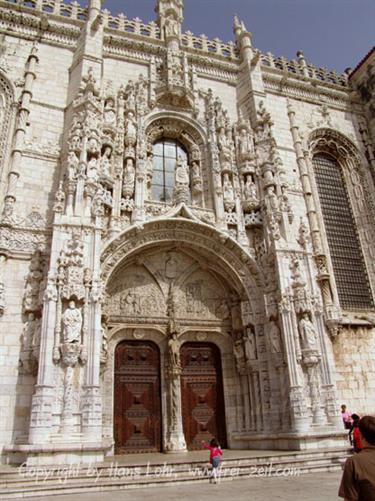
(141, 289)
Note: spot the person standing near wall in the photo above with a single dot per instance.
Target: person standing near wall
(358, 479)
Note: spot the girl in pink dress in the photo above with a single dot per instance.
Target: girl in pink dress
(215, 453)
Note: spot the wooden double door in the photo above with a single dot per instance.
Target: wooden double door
(203, 412)
(137, 408)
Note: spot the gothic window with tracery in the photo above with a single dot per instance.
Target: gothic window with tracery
(347, 259)
(166, 153)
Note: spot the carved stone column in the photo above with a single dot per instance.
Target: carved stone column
(300, 421)
(21, 125)
(45, 391)
(70, 353)
(311, 360)
(92, 399)
(175, 434)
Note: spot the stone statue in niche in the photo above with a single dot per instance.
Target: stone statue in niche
(174, 350)
(224, 144)
(130, 96)
(59, 202)
(92, 170)
(105, 161)
(307, 333)
(274, 337)
(171, 26)
(250, 189)
(181, 172)
(129, 177)
(238, 352)
(109, 112)
(272, 202)
(228, 193)
(72, 324)
(249, 344)
(72, 165)
(245, 145)
(196, 172)
(93, 146)
(223, 311)
(195, 154)
(28, 332)
(181, 192)
(130, 126)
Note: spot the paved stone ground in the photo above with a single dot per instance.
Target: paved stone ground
(306, 487)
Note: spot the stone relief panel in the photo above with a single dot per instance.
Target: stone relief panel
(135, 293)
(201, 296)
(142, 289)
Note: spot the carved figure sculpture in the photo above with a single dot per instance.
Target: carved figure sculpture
(92, 169)
(238, 352)
(109, 112)
(72, 323)
(274, 336)
(308, 333)
(130, 127)
(171, 26)
(72, 165)
(174, 350)
(244, 143)
(228, 193)
(271, 199)
(224, 145)
(250, 189)
(249, 345)
(129, 177)
(105, 161)
(181, 172)
(28, 332)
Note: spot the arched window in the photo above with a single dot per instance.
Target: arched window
(345, 250)
(165, 155)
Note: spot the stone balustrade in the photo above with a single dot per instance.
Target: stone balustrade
(200, 43)
(303, 69)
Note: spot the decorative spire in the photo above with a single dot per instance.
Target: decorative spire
(169, 18)
(243, 38)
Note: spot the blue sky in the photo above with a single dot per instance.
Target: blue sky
(332, 33)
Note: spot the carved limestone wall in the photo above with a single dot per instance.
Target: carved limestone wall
(354, 351)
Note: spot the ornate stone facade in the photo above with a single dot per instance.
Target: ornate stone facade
(157, 186)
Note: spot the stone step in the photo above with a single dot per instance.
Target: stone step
(192, 471)
(76, 471)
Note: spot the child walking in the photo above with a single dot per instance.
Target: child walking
(215, 453)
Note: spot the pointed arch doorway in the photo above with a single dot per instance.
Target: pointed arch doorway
(203, 410)
(137, 408)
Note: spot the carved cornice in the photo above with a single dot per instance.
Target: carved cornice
(307, 90)
(28, 24)
(24, 241)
